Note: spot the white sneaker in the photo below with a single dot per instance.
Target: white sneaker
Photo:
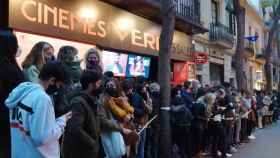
(252, 137)
(205, 153)
(228, 155)
(233, 149)
(219, 153)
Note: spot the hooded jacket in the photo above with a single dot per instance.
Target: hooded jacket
(34, 130)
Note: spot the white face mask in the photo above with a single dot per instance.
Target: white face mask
(19, 51)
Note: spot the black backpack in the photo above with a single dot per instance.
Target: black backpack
(181, 117)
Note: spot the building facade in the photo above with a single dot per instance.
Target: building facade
(219, 42)
(254, 49)
(131, 28)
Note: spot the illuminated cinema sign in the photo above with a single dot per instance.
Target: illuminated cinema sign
(93, 22)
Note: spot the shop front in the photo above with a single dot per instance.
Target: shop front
(85, 24)
(216, 68)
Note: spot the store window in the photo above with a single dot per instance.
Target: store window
(199, 67)
(199, 78)
(216, 73)
(27, 41)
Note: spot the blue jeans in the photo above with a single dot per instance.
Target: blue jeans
(141, 147)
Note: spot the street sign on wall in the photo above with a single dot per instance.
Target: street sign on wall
(200, 58)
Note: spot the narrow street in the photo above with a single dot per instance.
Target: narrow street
(267, 144)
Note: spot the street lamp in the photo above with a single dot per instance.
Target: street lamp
(125, 23)
(88, 13)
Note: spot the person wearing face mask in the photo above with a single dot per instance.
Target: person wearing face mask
(116, 103)
(202, 110)
(82, 133)
(34, 129)
(40, 54)
(140, 112)
(93, 60)
(117, 108)
(10, 77)
(154, 130)
(68, 56)
(217, 128)
(90, 119)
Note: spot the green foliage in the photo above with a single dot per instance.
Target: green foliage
(269, 3)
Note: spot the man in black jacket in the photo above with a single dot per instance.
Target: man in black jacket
(10, 77)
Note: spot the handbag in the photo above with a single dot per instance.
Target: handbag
(113, 144)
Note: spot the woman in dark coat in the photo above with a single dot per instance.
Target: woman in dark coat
(10, 77)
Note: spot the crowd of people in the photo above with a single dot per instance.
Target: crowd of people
(52, 108)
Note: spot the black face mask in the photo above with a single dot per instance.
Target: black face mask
(52, 90)
(112, 92)
(129, 95)
(155, 94)
(50, 59)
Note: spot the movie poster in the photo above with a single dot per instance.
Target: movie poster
(115, 62)
(138, 66)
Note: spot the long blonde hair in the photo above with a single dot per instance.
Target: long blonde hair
(36, 56)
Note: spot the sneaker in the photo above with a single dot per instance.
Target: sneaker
(228, 155)
(205, 154)
(233, 149)
(252, 137)
(219, 153)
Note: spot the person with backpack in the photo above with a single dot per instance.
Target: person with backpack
(217, 128)
(35, 131)
(181, 119)
(202, 110)
(186, 94)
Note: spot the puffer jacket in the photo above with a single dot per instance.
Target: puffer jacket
(119, 107)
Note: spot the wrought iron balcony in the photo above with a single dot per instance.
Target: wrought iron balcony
(187, 12)
(249, 48)
(220, 35)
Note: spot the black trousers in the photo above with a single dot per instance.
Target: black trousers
(244, 129)
(250, 127)
(182, 137)
(206, 139)
(218, 134)
(5, 140)
(198, 130)
(229, 135)
(152, 142)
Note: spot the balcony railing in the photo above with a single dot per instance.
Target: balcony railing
(187, 12)
(221, 33)
(187, 9)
